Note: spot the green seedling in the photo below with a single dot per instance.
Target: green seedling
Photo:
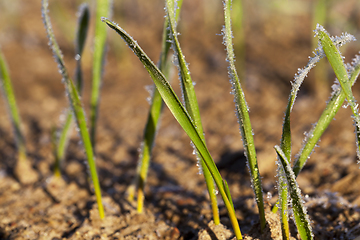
(191, 104)
(81, 33)
(102, 10)
(9, 96)
(336, 101)
(336, 61)
(22, 165)
(301, 218)
(242, 113)
(326, 117)
(315, 134)
(287, 175)
(183, 118)
(76, 105)
(152, 124)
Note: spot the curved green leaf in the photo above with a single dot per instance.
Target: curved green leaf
(180, 114)
(76, 105)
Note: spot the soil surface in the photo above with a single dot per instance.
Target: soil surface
(278, 40)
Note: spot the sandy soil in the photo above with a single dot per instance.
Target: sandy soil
(278, 41)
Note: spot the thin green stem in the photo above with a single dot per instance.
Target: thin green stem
(301, 218)
(81, 33)
(9, 96)
(243, 116)
(191, 104)
(76, 106)
(152, 123)
(180, 114)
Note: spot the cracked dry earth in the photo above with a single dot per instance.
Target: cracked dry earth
(176, 204)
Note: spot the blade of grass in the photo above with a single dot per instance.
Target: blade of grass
(191, 104)
(327, 115)
(81, 33)
(76, 105)
(180, 114)
(22, 165)
(243, 116)
(333, 106)
(9, 96)
(336, 61)
(152, 123)
(299, 211)
(102, 10)
(285, 142)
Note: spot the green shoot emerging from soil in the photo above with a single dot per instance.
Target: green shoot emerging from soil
(152, 123)
(61, 143)
(76, 106)
(336, 61)
(188, 116)
(191, 104)
(301, 218)
(180, 114)
(23, 169)
(9, 96)
(242, 112)
(313, 137)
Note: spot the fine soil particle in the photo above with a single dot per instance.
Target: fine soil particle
(36, 205)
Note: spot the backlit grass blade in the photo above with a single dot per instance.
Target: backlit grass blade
(102, 10)
(191, 104)
(333, 106)
(301, 218)
(9, 96)
(336, 61)
(76, 105)
(81, 33)
(243, 116)
(152, 122)
(328, 114)
(180, 114)
(285, 142)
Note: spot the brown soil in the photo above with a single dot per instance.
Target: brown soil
(278, 41)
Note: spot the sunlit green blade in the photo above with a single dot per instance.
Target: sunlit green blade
(152, 122)
(326, 117)
(243, 116)
(180, 114)
(336, 61)
(299, 211)
(102, 10)
(191, 104)
(76, 105)
(9, 96)
(81, 33)
(333, 106)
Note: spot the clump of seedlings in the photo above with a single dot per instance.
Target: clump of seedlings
(186, 112)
